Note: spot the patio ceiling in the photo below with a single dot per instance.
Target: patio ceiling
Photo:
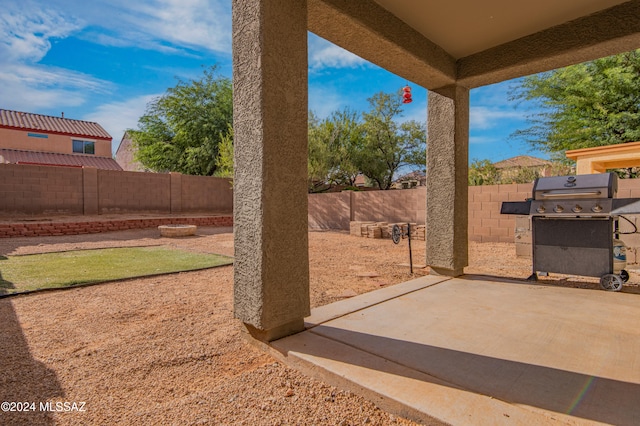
(465, 27)
(476, 42)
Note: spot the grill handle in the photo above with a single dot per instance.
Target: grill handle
(565, 194)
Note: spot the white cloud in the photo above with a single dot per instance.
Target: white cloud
(26, 88)
(323, 100)
(171, 26)
(17, 95)
(26, 38)
(163, 25)
(116, 117)
(482, 117)
(481, 140)
(198, 23)
(323, 54)
(53, 77)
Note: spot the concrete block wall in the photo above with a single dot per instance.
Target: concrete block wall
(175, 191)
(46, 190)
(205, 193)
(486, 224)
(390, 206)
(90, 191)
(330, 211)
(29, 189)
(133, 192)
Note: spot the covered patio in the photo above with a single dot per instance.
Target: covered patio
(447, 47)
(474, 350)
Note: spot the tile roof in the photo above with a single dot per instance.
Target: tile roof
(415, 175)
(14, 156)
(48, 124)
(521, 161)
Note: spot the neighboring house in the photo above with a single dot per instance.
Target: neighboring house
(361, 181)
(410, 180)
(512, 167)
(27, 138)
(125, 155)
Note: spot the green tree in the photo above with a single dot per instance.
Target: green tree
(389, 145)
(586, 105)
(319, 162)
(181, 131)
(522, 175)
(341, 146)
(346, 138)
(224, 160)
(483, 172)
(334, 146)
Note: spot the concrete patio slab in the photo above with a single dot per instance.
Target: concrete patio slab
(473, 351)
(325, 313)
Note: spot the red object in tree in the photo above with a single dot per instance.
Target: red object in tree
(406, 95)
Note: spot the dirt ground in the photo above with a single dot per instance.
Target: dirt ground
(166, 350)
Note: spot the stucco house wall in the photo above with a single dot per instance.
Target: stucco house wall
(48, 142)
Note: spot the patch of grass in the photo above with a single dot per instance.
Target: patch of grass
(64, 269)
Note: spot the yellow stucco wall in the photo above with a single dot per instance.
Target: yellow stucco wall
(61, 144)
(602, 158)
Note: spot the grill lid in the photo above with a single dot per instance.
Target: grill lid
(603, 185)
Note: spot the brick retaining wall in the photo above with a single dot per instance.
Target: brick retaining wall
(41, 229)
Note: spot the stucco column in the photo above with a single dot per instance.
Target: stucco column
(271, 268)
(447, 185)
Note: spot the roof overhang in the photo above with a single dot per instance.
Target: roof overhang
(476, 42)
(15, 156)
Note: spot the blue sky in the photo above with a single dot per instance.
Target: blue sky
(104, 60)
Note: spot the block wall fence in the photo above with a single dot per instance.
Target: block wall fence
(31, 190)
(486, 224)
(45, 190)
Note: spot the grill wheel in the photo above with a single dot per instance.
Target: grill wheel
(611, 282)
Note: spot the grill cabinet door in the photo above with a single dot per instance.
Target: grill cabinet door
(576, 246)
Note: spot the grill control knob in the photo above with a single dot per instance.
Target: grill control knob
(597, 208)
(577, 208)
(558, 209)
(541, 209)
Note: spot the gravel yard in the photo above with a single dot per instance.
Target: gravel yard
(166, 350)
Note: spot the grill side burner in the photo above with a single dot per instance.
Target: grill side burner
(573, 223)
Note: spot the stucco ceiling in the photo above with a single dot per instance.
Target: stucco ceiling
(465, 27)
(437, 43)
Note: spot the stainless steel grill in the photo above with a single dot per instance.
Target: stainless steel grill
(574, 195)
(574, 220)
